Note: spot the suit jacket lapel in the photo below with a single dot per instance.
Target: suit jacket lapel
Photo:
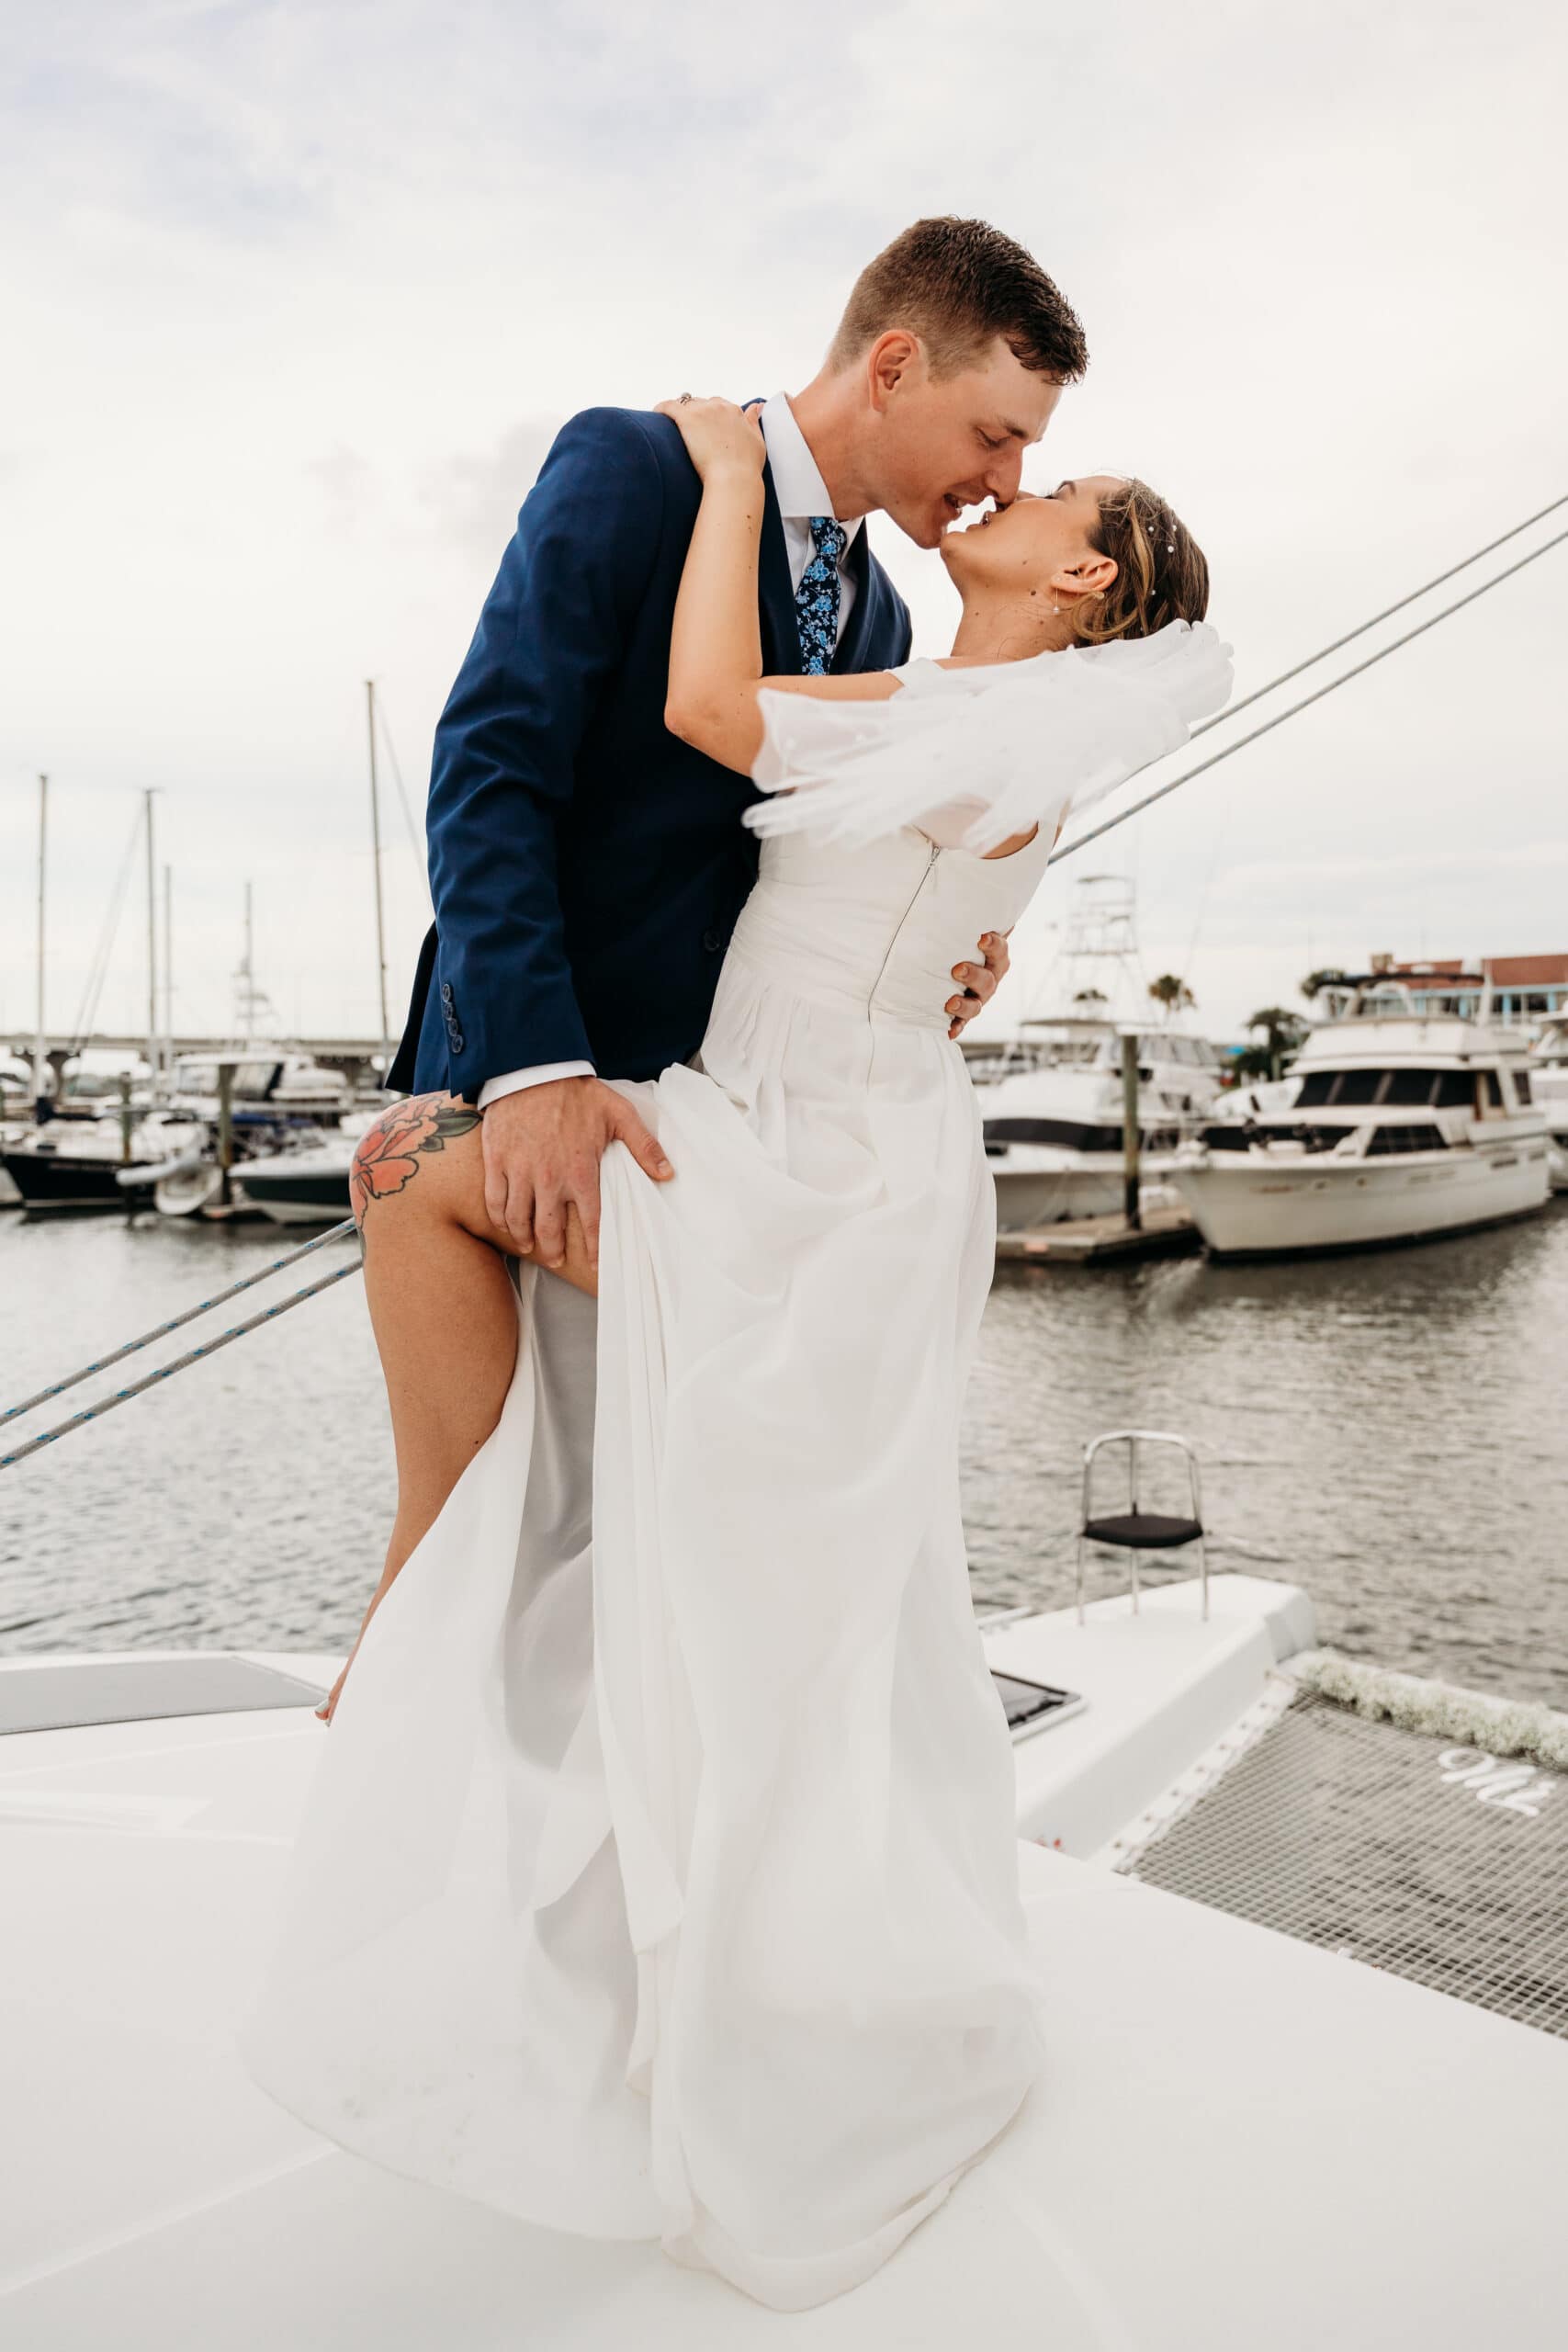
(775, 595)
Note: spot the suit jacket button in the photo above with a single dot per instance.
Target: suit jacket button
(713, 940)
(456, 1041)
(446, 991)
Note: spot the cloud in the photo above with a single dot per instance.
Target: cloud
(303, 293)
(472, 501)
(348, 486)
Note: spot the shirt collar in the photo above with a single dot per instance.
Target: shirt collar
(797, 481)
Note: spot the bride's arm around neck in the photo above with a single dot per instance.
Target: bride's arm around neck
(715, 647)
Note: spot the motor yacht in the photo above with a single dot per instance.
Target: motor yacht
(271, 1084)
(97, 1161)
(1546, 1073)
(308, 1182)
(1394, 1126)
(1051, 1086)
(1053, 1119)
(279, 1101)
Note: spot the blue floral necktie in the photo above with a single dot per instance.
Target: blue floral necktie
(817, 598)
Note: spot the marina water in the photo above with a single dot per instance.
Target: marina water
(1385, 1429)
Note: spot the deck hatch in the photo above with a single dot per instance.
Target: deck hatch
(79, 1691)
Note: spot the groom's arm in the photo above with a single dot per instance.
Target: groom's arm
(553, 628)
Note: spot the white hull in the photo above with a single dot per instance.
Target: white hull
(300, 1187)
(1255, 1205)
(295, 1212)
(1039, 1185)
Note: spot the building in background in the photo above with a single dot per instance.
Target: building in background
(1527, 989)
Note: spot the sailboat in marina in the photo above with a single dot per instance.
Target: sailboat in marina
(184, 1121)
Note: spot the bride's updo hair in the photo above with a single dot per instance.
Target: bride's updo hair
(1162, 574)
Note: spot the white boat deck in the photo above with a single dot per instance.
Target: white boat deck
(1238, 2140)
(1162, 1686)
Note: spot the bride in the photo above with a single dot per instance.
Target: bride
(658, 1879)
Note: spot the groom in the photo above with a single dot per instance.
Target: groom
(586, 866)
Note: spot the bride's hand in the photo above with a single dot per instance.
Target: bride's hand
(719, 436)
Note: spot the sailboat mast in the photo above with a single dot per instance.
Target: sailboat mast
(248, 1002)
(376, 865)
(39, 1042)
(153, 1057)
(169, 966)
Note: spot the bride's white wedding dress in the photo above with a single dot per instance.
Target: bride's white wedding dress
(664, 1885)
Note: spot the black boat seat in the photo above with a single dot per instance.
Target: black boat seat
(1153, 1530)
(1143, 1531)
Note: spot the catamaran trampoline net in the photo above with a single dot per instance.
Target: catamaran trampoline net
(1429, 1859)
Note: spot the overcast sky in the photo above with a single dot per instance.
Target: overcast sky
(299, 294)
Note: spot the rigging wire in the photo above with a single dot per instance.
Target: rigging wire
(398, 779)
(1317, 696)
(97, 970)
(1338, 643)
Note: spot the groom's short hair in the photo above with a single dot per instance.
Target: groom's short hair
(958, 285)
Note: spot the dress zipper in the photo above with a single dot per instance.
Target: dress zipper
(898, 929)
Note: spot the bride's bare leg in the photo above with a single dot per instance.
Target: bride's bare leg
(442, 1305)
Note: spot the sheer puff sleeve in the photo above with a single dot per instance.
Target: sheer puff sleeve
(992, 750)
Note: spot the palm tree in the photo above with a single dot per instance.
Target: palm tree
(1171, 993)
(1315, 981)
(1284, 1034)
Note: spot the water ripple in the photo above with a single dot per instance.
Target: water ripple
(1383, 1430)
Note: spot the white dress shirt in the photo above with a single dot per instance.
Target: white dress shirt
(801, 493)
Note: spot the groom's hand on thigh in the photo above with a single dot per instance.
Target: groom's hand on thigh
(542, 1149)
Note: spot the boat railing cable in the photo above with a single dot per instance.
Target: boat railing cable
(192, 1355)
(1307, 701)
(1337, 644)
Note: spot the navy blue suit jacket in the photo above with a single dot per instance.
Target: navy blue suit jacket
(586, 866)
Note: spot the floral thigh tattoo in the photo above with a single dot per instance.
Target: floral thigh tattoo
(387, 1156)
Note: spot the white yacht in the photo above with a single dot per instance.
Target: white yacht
(308, 1182)
(104, 1160)
(279, 1099)
(1393, 1127)
(1050, 1090)
(16, 1120)
(1546, 1073)
(1054, 1115)
(270, 1081)
(79, 1159)
(1304, 2085)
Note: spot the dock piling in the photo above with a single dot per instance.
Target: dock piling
(1130, 1137)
